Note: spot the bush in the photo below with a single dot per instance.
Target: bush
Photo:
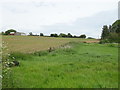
(90, 38)
(62, 35)
(41, 34)
(41, 53)
(21, 56)
(54, 35)
(114, 37)
(104, 41)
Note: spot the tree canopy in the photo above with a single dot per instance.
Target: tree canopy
(41, 34)
(112, 32)
(83, 36)
(10, 30)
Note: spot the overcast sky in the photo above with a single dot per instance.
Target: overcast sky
(58, 16)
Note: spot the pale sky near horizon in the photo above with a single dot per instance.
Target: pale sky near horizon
(58, 16)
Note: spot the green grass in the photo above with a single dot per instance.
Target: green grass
(81, 65)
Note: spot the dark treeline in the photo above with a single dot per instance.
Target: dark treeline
(8, 32)
(111, 33)
(69, 35)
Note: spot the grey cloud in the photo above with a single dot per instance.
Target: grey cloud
(91, 26)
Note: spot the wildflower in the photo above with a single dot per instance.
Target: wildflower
(0, 76)
(8, 54)
(8, 68)
(13, 57)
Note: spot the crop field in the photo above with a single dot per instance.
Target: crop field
(73, 65)
(28, 44)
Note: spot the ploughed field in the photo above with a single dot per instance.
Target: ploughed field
(72, 65)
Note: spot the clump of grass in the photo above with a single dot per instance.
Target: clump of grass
(20, 56)
(113, 45)
(41, 53)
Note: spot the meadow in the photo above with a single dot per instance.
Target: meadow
(73, 65)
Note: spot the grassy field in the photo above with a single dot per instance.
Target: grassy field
(74, 65)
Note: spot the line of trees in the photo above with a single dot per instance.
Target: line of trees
(8, 32)
(69, 35)
(111, 33)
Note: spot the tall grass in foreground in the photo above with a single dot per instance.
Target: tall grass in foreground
(5, 71)
(76, 65)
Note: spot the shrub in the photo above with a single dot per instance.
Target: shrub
(41, 53)
(53, 35)
(90, 38)
(41, 34)
(104, 41)
(114, 37)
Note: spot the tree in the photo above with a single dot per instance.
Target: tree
(116, 26)
(112, 33)
(114, 37)
(2, 33)
(31, 34)
(69, 35)
(62, 35)
(110, 28)
(51, 35)
(75, 36)
(83, 36)
(54, 35)
(41, 34)
(105, 32)
(10, 30)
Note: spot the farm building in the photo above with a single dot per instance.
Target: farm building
(12, 33)
(20, 33)
(17, 33)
